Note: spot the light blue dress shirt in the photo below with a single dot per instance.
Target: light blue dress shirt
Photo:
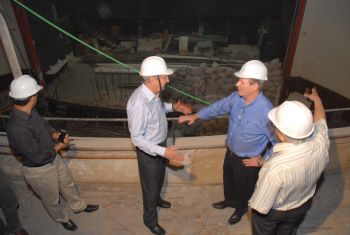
(147, 122)
(249, 131)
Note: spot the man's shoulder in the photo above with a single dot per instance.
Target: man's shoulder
(12, 122)
(265, 101)
(321, 129)
(320, 135)
(262, 107)
(137, 98)
(322, 123)
(136, 93)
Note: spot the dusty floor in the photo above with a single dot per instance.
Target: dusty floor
(191, 213)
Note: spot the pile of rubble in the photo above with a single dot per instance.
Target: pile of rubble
(213, 82)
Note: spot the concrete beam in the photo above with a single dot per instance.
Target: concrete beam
(113, 160)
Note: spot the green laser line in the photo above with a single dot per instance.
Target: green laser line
(191, 96)
(98, 51)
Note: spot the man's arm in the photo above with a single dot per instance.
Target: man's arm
(319, 112)
(218, 108)
(24, 143)
(182, 108)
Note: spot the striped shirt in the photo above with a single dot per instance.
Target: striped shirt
(147, 121)
(30, 136)
(288, 179)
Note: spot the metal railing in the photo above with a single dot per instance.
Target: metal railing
(125, 119)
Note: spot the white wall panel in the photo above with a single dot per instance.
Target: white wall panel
(323, 50)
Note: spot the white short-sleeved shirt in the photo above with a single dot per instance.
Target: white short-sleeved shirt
(288, 179)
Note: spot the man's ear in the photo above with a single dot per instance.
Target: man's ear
(153, 78)
(280, 136)
(33, 98)
(256, 86)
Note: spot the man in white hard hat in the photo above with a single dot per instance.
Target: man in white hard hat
(247, 138)
(31, 137)
(287, 181)
(148, 131)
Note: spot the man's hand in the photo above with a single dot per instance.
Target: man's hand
(319, 109)
(254, 162)
(188, 118)
(182, 107)
(313, 95)
(60, 146)
(172, 154)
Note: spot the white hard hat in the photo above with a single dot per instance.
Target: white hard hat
(254, 69)
(24, 86)
(153, 66)
(293, 119)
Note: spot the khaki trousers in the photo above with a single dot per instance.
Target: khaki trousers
(48, 182)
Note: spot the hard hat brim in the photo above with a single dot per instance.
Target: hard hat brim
(39, 88)
(167, 73)
(239, 75)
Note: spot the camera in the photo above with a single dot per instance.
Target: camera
(62, 135)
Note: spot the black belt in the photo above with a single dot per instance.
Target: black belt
(235, 155)
(42, 164)
(262, 154)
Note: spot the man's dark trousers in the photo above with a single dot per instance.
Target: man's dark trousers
(9, 205)
(152, 173)
(279, 222)
(239, 180)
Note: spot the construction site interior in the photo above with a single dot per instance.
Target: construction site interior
(89, 66)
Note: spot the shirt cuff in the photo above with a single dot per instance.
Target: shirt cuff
(168, 107)
(160, 151)
(201, 114)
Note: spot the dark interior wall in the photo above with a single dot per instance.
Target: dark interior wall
(239, 20)
(217, 16)
(50, 44)
(174, 9)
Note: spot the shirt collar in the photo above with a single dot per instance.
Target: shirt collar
(21, 115)
(279, 147)
(149, 94)
(253, 102)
